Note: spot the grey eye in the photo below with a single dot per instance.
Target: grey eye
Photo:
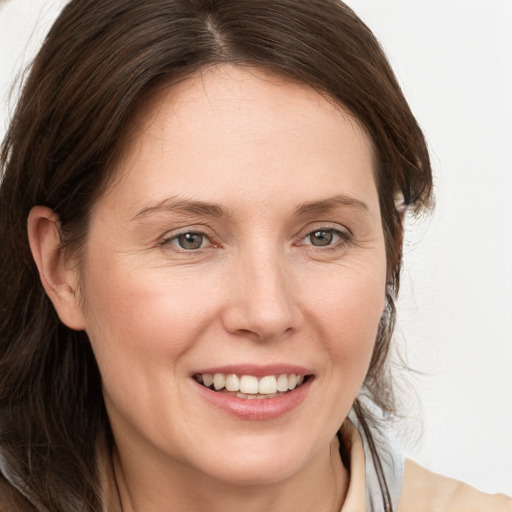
(190, 241)
(323, 237)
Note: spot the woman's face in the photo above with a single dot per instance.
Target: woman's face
(240, 242)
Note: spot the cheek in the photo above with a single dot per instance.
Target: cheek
(348, 310)
(135, 313)
(344, 315)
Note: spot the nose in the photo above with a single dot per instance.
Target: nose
(262, 301)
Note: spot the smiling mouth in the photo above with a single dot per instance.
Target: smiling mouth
(251, 387)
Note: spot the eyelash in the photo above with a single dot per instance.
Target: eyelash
(344, 237)
(174, 238)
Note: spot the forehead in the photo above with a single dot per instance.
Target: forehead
(231, 132)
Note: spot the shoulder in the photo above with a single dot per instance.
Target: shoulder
(424, 491)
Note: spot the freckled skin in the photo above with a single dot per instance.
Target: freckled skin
(259, 290)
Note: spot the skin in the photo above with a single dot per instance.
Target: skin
(282, 162)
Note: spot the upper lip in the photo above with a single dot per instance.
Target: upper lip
(256, 370)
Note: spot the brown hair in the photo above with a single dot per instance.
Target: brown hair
(98, 62)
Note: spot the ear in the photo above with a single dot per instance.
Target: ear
(59, 281)
(402, 210)
(400, 205)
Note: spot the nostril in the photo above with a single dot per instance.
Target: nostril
(262, 309)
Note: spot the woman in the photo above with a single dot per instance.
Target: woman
(201, 225)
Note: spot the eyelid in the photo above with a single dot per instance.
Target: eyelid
(323, 226)
(170, 236)
(343, 232)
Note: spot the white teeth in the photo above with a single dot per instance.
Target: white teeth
(282, 383)
(232, 382)
(292, 381)
(267, 385)
(219, 381)
(249, 384)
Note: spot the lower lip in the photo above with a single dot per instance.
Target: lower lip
(263, 409)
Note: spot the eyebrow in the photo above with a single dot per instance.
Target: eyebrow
(186, 206)
(326, 205)
(173, 204)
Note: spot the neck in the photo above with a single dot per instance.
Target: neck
(320, 486)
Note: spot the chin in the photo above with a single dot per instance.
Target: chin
(264, 471)
(256, 461)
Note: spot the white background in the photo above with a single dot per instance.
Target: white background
(453, 59)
